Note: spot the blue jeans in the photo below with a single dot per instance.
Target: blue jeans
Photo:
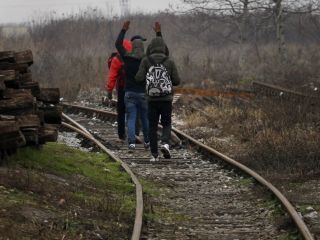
(136, 103)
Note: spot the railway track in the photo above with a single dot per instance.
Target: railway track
(198, 197)
(271, 90)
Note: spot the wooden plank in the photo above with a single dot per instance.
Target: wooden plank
(2, 86)
(9, 75)
(8, 126)
(13, 93)
(24, 57)
(22, 68)
(7, 118)
(31, 134)
(49, 95)
(26, 77)
(52, 115)
(7, 56)
(48, 133)
(18, 105)
(33, 86)
(28, 121)
(10, 135)
(13, 141)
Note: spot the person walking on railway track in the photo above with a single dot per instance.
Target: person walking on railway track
(116, 78)
(135, 99)
(159, 73)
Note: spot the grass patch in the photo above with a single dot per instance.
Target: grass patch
(60, 159)
(58, 192)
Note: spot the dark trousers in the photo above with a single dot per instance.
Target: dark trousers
(155, 110)
(121, 110)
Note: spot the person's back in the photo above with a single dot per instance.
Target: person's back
(131, 67)
(116, 78)
(135, 100)
(159, 105)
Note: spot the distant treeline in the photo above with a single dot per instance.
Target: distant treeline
(71, 52)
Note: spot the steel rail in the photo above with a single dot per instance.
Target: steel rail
(113, 115)
(74, 123)
(284, 92)
(139, 194)
(303, 229)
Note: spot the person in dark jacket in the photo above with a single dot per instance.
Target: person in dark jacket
(135, 99)
(116, 77)
(158, 106)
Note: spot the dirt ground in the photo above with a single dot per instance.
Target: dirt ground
(62, 201)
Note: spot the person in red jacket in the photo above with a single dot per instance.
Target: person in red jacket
(116, 78)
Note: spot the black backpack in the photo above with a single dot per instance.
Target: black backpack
(158, 79)
(110, 58)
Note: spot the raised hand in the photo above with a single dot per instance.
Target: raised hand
(126, 25)
(157, 27)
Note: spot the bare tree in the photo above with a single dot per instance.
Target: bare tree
(234, 13)
(238, 13)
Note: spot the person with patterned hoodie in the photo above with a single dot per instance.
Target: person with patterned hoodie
(135, 99)
(116, 78)
(157, 53)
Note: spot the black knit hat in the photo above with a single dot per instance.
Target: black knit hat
(138, 37)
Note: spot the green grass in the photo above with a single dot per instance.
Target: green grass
(13, 197)
(290, 236)
(90, 185)
(63, 160)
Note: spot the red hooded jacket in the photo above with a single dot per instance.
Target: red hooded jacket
(116, 75)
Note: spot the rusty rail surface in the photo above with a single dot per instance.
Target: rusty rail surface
(303, 229)
(283, 93)
(139, 194)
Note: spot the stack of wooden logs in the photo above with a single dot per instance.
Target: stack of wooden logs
(29, 115)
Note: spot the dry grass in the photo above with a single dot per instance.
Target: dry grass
(271, 137)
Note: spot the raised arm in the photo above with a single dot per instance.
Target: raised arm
(122, 51)
(157, 29)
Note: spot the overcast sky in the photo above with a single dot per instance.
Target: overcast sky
(17, 11)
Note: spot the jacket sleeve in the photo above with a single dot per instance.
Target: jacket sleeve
(141, 74)
(175, 78)
(114, 73)
(119, 43)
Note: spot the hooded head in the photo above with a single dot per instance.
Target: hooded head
(127, 45)
(157, 45)
(137, 49)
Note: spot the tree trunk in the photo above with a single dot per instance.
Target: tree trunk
(280, 30)
(243, 32)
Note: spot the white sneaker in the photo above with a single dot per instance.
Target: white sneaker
(154, 159)
(165, 151)
(132, 147)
